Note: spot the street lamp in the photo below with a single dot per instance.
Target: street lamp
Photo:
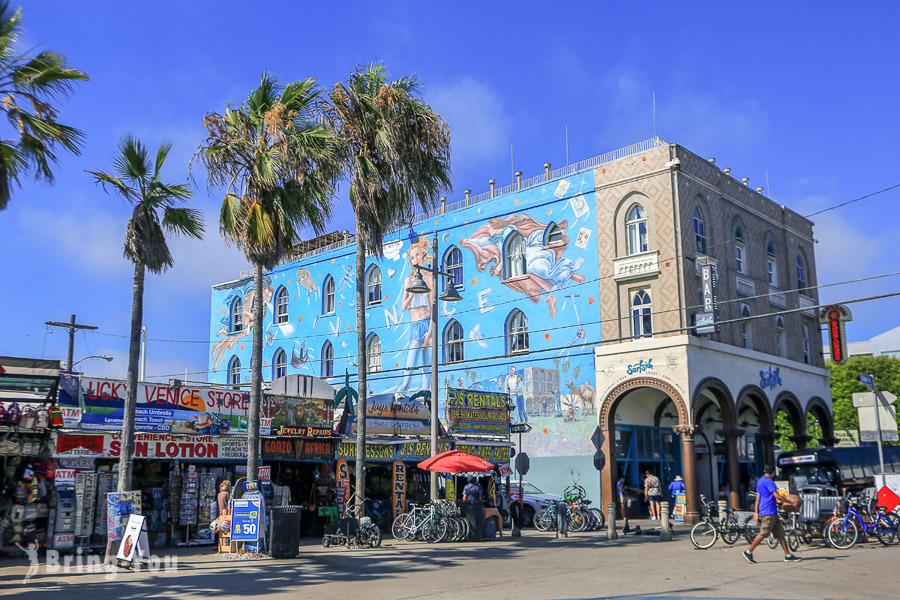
(105, 357)
(418, 286)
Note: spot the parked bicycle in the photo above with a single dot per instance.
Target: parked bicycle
(353, 531)
(437, 521)
(860, 518)
(705, 533)
(581, 517)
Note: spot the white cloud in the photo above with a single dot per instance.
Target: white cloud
(480, 125)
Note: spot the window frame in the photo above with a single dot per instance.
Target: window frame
(746, 327)
(327, 361)
(740, 252)
(454, 268)
(234, 371)
(282, 300)
(772, 263)
(700, 238)
(519, 257)
(279, 366)
(373, 286)
(517, 340)
(805, 343)
(454, 347)
(780, 338)
(328, 295)
(800, 273)
(236, 322)
(641, 314)
(551, 230)
(633, 228)
(373, 358)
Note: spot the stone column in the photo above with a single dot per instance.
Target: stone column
(734, 468)
(609, 475)
(689, 461)
(768, 446)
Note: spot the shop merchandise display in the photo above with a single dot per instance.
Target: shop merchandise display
(156, 502)
(190, 485)
(85, 490)
(106, 484)
(27, 495)
(206, 498)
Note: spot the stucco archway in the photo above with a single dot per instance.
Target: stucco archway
(819, 409)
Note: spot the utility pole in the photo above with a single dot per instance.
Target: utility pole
(72, 326)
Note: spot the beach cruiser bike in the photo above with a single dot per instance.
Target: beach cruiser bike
(705, 533)
(353, 531)
(860, 519)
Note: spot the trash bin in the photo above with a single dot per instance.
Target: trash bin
(473, 512)
(284, 535)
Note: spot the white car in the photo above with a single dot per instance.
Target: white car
(535, 500)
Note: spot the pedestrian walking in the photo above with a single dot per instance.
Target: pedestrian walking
(652, 494)
(620, 489)
(766, 513)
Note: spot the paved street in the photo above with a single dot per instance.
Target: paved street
(534, 566)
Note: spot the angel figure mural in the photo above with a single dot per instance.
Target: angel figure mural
(536, 265)
(231, 337)
(418, 350)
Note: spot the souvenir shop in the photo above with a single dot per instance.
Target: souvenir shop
(178, 477)
(27, 418)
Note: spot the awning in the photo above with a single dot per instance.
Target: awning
(28, 379)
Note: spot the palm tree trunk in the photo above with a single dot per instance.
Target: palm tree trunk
(255, 375)
(362, 367)
(126, 457)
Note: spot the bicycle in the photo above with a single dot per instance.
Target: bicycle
(844, 532)
(421, 522)
(353, 530)
(705, 533)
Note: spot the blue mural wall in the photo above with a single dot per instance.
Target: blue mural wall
(552, 384)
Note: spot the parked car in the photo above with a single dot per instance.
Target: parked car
(535, 500)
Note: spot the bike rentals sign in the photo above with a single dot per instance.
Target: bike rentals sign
(476, 412)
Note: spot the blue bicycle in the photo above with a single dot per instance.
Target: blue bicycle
(859, 521)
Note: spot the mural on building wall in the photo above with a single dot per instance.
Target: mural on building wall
(551, 385)
(226, 330)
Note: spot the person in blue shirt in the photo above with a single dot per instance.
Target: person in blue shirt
(676, 487)
(767, 514)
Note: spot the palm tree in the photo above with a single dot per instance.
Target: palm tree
(137, 179)
(28, 85)
(277, 166)
(396, 153)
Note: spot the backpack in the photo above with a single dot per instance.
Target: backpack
(42, 418)
(12, 415)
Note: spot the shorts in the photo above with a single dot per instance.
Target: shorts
(771, 524)
(420, 330)
(654, 497)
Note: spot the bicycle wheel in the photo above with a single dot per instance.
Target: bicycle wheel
(771, 542)
(371, 536)
(599, 517)
(730, 530)
(843, 533)
(704, 535)
(434, 530)
(578, 520)
(793, 540)
(543, 520)
(886, 529)
(751, 528)
(399, 528)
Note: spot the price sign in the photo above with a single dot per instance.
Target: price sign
(245, 520)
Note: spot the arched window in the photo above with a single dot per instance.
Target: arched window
(516, 332)
(327, 359)
(804, 342)
(237, 314)
(279, 364)
(373, 353)
(699, 232)
(641, 315)
(514, 256)
(636, 226)
(373, 285)
(746, 328)
(328, 295)
(553, 234)
(234, 371)
(772, 264)
(740, 252)
(801, 275)
(453, 342)
(281, 306)
(453, 264)
(779, 336)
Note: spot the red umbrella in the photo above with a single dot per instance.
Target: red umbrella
(456, 461)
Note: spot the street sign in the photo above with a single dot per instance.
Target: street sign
(869, 380)
(522, 463)
(599, 460)
(598, 438)
(245, 520)
(886, 418)
(520, 428)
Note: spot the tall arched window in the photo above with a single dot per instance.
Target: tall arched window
(746, 328)
(279, 364)
(234, 371)
(636, 226)
(801, 275)
(779, 336)
(699, 232)
(328, 295)
(772, 264)
(740, 252)
(373, 353)
(553, 234)
(453, 264)
(237, 314)
(804, 343)
(281, 306)
(641, 315)
(453, 342)
(373, 285)
(514, 256)
(516, 332)
(327, 359)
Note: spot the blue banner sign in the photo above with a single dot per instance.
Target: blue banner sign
(245, 520)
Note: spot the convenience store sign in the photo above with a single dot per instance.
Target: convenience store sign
(153, 446)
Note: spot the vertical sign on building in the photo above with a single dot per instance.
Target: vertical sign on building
(833, 317)
(342, 478)
(399, 500)
(708, 319)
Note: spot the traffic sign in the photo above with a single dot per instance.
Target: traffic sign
(520, 428)
(598, 438)
(522, 463)
(599, 460)
(869, 380)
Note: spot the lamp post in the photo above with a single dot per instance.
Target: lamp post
(103, 357)
(418, 286)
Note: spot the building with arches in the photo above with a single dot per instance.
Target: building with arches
(582, 296)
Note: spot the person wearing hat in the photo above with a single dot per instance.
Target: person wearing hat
(676, 487)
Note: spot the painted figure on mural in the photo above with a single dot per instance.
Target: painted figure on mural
(516, 390)
(418, 350)
(231, 339)
(546, 269)
(305, 282)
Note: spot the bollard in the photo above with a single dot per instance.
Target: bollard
(515, 515)
(722, 505)
(611, 533)
(664, 534)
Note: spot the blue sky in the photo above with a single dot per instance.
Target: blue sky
(800, 97)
